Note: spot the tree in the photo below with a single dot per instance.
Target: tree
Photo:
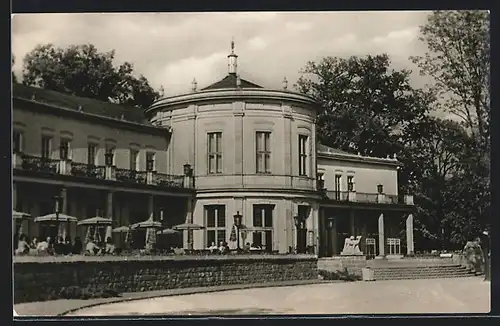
(82, 70)
(366, 105)
(14, 77)
(459, 61)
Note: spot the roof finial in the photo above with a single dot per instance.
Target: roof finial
(194, 85)
(232, 60)
(285, 83)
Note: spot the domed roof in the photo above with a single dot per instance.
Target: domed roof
(230, 82)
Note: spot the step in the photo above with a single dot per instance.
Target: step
(423, 277)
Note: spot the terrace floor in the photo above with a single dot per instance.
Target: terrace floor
(462, 295)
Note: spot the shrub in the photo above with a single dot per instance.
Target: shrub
(338, 275)
(75, 292)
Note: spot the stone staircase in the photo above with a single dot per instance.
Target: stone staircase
(407, 269)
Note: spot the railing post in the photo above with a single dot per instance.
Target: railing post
(409, 199)
(17, 160)
(381, 198)
(110, 172)
(150, 177)
(65, 166)
(352, 195)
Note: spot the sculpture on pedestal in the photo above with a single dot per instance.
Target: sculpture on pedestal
(351, 246)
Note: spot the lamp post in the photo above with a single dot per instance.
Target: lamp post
(331, 221)
(487, 262)
(237, 222)
(57, 200)
(299, 225)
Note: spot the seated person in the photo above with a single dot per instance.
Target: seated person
(22, 246)
(247, 247)
(45, 247)
(77, 246)
(92, 248)
(110, 247)
(34, 243)
(213, 247)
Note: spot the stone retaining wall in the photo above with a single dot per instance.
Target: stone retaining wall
(35, 278)
(353, 264)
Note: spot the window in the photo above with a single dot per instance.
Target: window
(64, 149)
(302, 155)
(263, 219)
(17, 141)
(110, 154)
(263, 215)
(380, 189)
(46, 146)
(263, 147)
(350, 183)
(214, 152)
(338, 178)
(216, 224)
(150, 161)
(91, 153)
(134, 157)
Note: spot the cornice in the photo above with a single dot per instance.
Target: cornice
(231, 94)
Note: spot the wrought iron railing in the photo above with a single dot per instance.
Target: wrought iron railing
(40, 164)
(44, 165)
(88, 171)
(168, 180)
(362, 197)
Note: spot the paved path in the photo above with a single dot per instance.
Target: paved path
(460, 295)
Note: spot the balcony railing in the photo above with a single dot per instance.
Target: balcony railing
(168, 180)
(360, 197)
(88, 171)
(82, 170)
(39, 164)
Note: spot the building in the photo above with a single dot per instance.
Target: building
(233, 147)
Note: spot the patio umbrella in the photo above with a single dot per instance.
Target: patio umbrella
(95, 222)
(20, 216)
(188, 226)
(167, 232)
(151, 226)
(52, 218)
(122, 229)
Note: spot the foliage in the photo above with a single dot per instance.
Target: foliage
(343, 275)
(13, 61)
(459, 61)
(366, 105)
(370, 108)
(82, 70)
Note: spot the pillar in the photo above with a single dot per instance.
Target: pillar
(109, 214)
(189, 219)
(334, 238)
(151, 207)
(409, 235)
(381, 236)
(352, 222)
(73, 211)
(64, 209)
(14, 196)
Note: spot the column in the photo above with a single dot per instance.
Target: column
(334, 238)
(189, 219)
(381, 236)
(409, 235)
(14, 196)
(109, 214)
(151, 206)
(353, 223)
(65, 227)
(73, 211)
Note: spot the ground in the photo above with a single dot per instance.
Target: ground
(459, 295)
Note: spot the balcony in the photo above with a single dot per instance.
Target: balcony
(371, 198)
(23, 162)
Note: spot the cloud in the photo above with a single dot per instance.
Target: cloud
(299, 26)
(170, 49)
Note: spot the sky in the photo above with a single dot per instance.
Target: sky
(171, 49)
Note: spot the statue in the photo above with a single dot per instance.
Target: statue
(351, 246)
